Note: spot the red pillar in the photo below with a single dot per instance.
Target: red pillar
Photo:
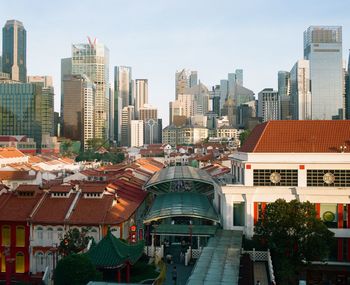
(340, 215)
(318, 209)
(348, 241)
(340, 249)
(119, 277)
(255, 212)
(127, 272)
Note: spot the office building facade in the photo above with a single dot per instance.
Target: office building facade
(21, 109)
(300, 90)
(323, 49)
(136, 133)
(78, 106)
(141, 95)
(92, 59)
(14, 50)
(268, 105)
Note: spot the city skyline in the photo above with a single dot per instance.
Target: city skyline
(159, 38)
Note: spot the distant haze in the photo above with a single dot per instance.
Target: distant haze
(157, 37)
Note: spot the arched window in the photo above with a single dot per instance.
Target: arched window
(20, 236)
(39, 233)
(39, 261)
(3, 263)
(19, 262)
(59, 233)
(49, 260)
(6, 235)
(49, 233)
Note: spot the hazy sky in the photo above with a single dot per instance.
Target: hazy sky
(158, 37)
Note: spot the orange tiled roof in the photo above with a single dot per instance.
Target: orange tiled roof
(16, 175)
(9, 152)
(18, 208)
(299, 137)
(46, 214)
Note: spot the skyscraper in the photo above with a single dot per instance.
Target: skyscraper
(185, 79)
(123, 84)
(66, 69)
(284, 94)
(136, 133)
(92, 59)
(323, 49)
(14, 50)
(127, 116)
(23, 111)
(141, 95)
(47, 102)
(300, 94)
(268, 105)
(123, 96)
(78, 106)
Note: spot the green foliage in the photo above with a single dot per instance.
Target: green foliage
(74, 241)
(95, 143)
(69, 148)
(295, 235)
(76, 269)
(243, 136)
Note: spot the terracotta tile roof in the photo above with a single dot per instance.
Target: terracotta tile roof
(93, 187)
(27, 188)
(16, 208)
(16, 175)
(60, 188)
(91, 211)
(299, 136)
(9, 152)
(46, 214)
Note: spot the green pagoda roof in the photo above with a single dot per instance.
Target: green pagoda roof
(181, 204)
(112, 252)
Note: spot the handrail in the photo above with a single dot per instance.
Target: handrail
(46, 276)
(270, 266)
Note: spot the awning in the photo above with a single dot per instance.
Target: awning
(182, 204)
(185, 230)
(180, 179)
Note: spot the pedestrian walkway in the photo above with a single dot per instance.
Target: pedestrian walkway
(260, 273)
(183, 273)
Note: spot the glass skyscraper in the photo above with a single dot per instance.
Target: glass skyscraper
(284, 94)
(14, 50)
(323, 49)
(92, 59)
(20, 110)
(123, 97)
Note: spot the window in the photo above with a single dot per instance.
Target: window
(49, 233)
(59, 233)
(20, 236)
(6, 235)
(39, 233)
(19, 262)
(328, 178)
(275, 177)
(3, 263)
(239, 214)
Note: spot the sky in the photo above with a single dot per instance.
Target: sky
(158, 37)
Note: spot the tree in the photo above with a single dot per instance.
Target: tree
(76, 269)
(295, 235)
(74, 241)
(244, 135)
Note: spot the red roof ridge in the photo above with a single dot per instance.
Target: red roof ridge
(37, 206)
(261, 136)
